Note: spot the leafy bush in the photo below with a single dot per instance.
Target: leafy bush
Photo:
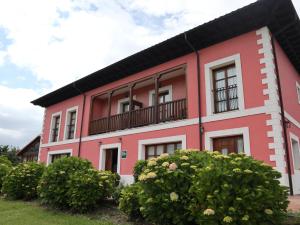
(22, 181)
(5, 167)
(129, 201)
(209, 188)
(138, 169)
(72, 183)
(117, 193)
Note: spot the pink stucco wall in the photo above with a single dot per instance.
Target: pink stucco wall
(184, 86)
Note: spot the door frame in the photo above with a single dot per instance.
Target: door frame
(102, 157)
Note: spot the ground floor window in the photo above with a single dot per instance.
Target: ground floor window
(296, 154)
(155, 150)
(58, 156)
(227, 145)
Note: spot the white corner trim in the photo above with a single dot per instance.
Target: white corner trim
(50, 153)
(298, 91)
(69, 110)
(103, 155)
(272, 103)
(292, 119)
(168, 139)
(209, 67)
(51, 125)
(122, 100)
(164, 88)
(226, 133)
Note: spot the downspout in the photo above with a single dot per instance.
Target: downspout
(199, 92)
(82, 116)
(283, 121)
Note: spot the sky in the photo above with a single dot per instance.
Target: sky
(45, 44)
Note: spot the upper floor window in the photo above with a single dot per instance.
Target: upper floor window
(124, 107)
(298, 91)
(224, 85)
(70, 126)
(164, 95)
(55, 128)
(225, 89)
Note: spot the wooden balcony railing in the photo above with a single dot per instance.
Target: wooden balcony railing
(169, 111)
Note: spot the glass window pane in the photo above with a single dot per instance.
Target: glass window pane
(150, 150)
(231, 72)
(240, 145)
(296, 154)
(219, 74)
(220, 84)
(232, 81)
(159, 149)
(179, 146)
(170, 148)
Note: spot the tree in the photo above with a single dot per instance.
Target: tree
(10, 152)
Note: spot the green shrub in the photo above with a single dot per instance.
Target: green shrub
(117, 193)
(53, 187)
(72, 183)
(138, 169)
(5, 167)
(110, 182)
(129, 201)
(85, 189)
(22, 181)
(210, 188)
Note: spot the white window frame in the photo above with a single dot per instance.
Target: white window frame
(121, 101)
(298, 91)
(162, 89)
(51, 153)
(142, 143)
(51, 126)
(294, 137)
(102, 157)
(209, 67)
(209, 136)
(69, 110)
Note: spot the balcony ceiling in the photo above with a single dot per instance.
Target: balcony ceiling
(279, 15)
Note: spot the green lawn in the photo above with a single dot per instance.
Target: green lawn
(31, 213)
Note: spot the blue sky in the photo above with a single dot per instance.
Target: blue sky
(47, 44)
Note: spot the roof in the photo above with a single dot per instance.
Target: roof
(24, 149)
(279, 15)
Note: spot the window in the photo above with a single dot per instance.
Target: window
(225, 89)
(156, 150)
(296, 154)
(55, 128)
(227, 145)
(164, 95)
(58, 156)
(71, 123)
(298, 91)
(124, 107)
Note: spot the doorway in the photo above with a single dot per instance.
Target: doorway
(111, 159)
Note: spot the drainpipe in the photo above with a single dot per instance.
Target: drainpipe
(198, 81)
(82, 116)
(283, 120)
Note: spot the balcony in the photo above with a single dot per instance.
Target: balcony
(153, 100)
(169, 111)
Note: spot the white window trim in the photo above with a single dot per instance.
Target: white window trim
(75, 108)
(103, 155)
(295, 138)
(163, 140)
(51, 124)
(51, 153)
(298, 91)
(122, 100)
(164, 88)
(209, 67)
(227, 133)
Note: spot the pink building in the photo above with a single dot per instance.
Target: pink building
(231, 85)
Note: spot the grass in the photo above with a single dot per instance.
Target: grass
(31, 213)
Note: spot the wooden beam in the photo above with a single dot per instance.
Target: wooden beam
(156, 89)
(130, 103)
(109, 109)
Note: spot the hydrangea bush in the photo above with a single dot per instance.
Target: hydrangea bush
(72, 183)
(5, 167)
(22, 181)
(210, 188)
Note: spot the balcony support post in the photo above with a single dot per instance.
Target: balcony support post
(156, 103)
(131, 86)
(109, 109)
